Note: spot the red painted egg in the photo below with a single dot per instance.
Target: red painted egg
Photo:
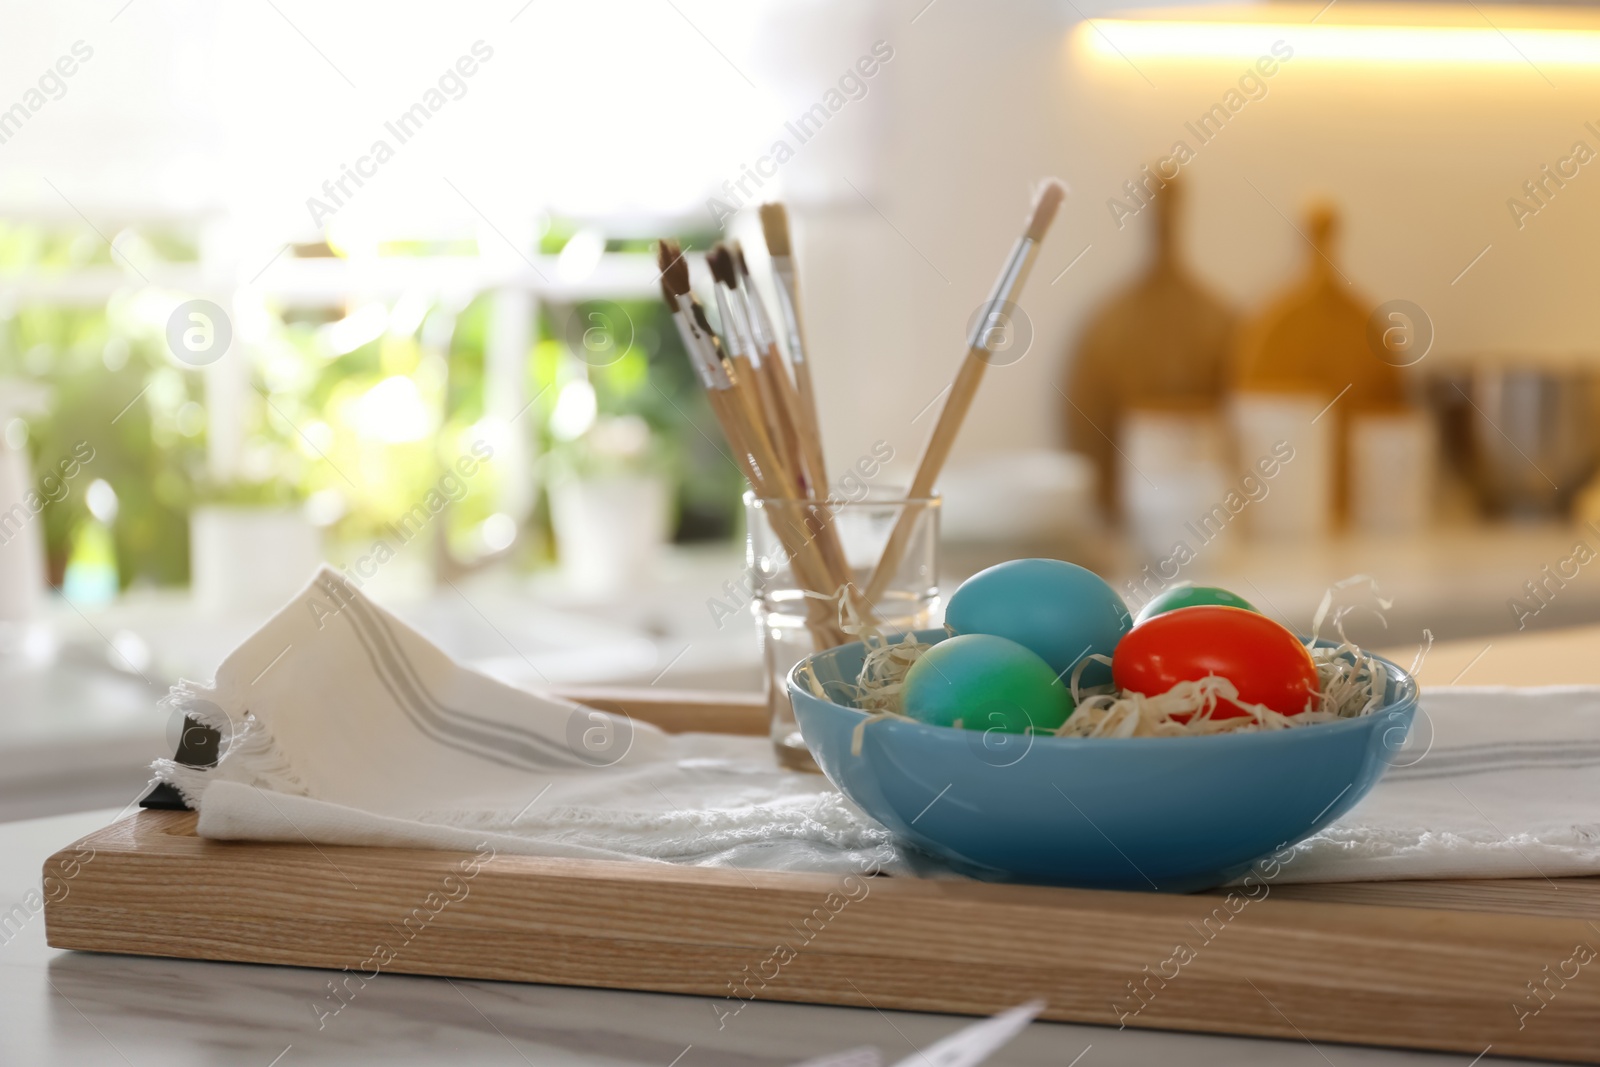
(1266, 662)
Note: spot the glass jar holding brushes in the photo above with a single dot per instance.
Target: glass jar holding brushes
(824, 568)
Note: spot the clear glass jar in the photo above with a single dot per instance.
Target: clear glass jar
(851, 533)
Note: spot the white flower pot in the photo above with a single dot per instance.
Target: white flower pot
(609, 531)
(250, 559)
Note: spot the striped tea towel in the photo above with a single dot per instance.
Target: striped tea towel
(342, 725)
(1492, 783)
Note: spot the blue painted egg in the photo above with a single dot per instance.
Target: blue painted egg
(1058, 610)
(981, 682)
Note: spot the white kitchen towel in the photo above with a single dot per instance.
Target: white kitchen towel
(1493, 783)
(342, 725)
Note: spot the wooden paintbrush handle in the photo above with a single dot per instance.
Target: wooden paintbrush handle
(954, 412)
(814, 566)
(801, 444)
(806, 405)
(777, 387)
(803, 432)
(833, 570)
(809, 568)
(951, 416)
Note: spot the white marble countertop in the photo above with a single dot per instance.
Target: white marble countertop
(86, 1009)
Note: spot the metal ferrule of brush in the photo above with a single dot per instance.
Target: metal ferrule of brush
(783, 270)
(736, 326)
(711, 344)
(719, 373)
(705, 351)
(760, 323)
(1006, 287)
(693, 343)
(730, 336)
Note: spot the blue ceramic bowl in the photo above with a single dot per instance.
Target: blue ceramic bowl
(1175, 814)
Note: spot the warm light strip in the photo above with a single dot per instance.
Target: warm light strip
(1375, 44)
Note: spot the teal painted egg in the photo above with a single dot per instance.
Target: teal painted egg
(1060, 611)
(982, 682)
(1190, 596)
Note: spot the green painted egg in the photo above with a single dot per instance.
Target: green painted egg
(1189, 596)
(983, 682)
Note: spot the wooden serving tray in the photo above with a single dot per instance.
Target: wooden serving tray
(1430, 965)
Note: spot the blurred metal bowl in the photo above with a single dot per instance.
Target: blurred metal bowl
(1526, 436)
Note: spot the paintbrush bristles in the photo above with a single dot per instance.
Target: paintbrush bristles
(775, 228)
(1045, 205)
(720, 260)
(674, 268)
(667, 250)
(738, 257)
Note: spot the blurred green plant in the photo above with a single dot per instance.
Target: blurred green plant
(651, 381)
(111, 387)
(354, 413)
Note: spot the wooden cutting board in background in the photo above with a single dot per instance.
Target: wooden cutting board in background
(1161, 342)
(1312, 338)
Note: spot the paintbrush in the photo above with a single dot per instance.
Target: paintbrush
(754, 388)
(695, 341)
(768, 407)
(708, 359)
(800, 433)
(775, 228)
(798, 448)
(1013, 276)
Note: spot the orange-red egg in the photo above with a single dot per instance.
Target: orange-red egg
(1265, 662)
